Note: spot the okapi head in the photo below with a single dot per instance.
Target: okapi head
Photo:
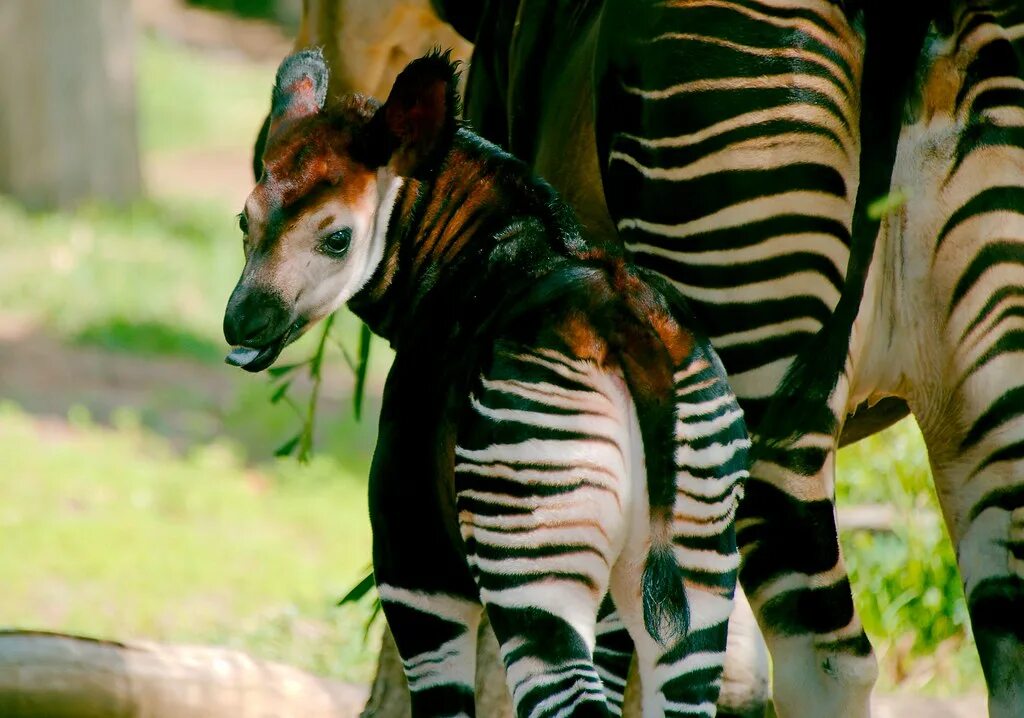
(315, 226)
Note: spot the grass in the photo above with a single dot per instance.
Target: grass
(97, 267)
(127, 538)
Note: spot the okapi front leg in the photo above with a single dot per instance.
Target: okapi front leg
(436, 635)
(426, 591)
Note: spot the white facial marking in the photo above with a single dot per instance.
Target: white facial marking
(319, 283)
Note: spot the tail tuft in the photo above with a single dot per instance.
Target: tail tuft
(666, 611)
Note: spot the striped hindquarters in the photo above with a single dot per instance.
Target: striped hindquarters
(540, 475)
(551, 492)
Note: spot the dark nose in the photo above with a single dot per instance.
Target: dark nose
(254, 317)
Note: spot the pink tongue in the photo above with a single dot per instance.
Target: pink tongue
(240, 356)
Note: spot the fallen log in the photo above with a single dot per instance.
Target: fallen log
(60, 676)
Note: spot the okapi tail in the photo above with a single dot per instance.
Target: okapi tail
(651, 346)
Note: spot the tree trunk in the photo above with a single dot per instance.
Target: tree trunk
(45, 675)
(67, 102)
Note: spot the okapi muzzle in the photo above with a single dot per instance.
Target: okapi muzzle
(259, 324)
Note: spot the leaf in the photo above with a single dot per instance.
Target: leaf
(359, 392)
(374, 613)
(887, 204)
(287, 447)
(359, 590)
(279, 371)
(305, 445)
(280, 392)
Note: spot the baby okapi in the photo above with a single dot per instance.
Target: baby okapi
(550, 431)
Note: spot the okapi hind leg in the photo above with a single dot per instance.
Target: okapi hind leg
(682, 679)
(745, 690)
(681, 675)
(613, 655)
(540, 481)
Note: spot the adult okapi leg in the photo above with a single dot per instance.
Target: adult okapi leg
(542, 476)
(797, 584)
(823, 660)
(960, 242)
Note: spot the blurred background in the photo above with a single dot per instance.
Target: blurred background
(140, 494)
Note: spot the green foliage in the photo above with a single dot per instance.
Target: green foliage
(907, 588)
(887, 204)
(195, 101)
(92, 269)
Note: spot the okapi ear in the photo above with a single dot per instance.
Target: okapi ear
(300, 88)
(419, 117)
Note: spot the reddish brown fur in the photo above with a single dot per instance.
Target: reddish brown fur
(307, 152)
(585, 342)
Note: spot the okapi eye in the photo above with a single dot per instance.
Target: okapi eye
(336, 243)
(243, 223)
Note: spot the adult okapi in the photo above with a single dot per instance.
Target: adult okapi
(734, 146)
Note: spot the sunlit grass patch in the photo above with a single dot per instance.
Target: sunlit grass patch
(96, 266)
(905, 583)
(109, 533)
